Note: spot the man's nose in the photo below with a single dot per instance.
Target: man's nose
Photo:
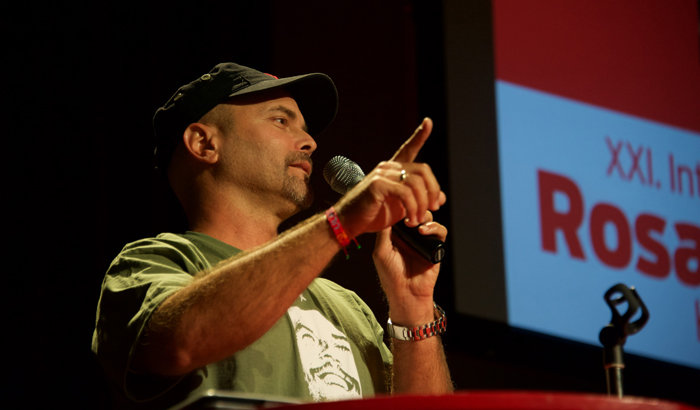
(306, 142)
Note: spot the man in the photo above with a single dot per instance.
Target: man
(231, 304)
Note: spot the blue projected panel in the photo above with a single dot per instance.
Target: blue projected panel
(590, 198)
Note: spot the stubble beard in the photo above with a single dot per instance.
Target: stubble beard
(298, 191)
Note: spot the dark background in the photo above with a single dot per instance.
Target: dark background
(82, 81)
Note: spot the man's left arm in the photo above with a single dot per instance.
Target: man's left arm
(420, 366)
(408, 280)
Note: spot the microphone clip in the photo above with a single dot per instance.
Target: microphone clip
(614, 335)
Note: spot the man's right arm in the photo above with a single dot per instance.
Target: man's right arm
(227, 308)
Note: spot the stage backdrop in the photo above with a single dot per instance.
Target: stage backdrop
(596, 166)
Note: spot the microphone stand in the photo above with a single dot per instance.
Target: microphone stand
(614, 335)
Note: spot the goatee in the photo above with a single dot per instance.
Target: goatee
(298, 190)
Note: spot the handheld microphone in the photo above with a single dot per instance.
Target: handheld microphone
(342, 174)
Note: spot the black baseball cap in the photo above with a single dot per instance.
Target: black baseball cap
(315, 94)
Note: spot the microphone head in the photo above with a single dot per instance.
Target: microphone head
(342, 174)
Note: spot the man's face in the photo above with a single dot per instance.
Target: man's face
(266, 151)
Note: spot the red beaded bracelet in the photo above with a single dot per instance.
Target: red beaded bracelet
(338, 231)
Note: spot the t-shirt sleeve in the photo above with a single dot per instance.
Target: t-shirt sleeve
(139, 279)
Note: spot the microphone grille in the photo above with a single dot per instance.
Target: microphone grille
(342, 174)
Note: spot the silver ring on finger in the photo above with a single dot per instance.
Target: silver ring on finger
(403, 175)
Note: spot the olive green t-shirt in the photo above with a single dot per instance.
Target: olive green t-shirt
(328, 346)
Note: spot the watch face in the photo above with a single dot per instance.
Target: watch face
(391, 330)
(399, 332)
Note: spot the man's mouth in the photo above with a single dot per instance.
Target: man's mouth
(303, 165)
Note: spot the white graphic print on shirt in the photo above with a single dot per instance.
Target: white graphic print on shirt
(326, 357)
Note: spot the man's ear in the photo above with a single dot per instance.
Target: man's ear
(199, 141)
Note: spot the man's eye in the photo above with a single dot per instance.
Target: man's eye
(282, 121)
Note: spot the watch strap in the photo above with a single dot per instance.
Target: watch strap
(415, 333)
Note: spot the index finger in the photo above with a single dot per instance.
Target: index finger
(409, 150)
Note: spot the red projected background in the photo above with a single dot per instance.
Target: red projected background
(644, 63)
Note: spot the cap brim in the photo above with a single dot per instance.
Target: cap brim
(314, 93)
